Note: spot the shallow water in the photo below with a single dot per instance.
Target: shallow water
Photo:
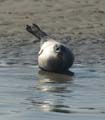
(28, 94)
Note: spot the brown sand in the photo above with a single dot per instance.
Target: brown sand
(78, 23)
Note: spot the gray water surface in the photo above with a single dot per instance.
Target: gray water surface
(29, 94)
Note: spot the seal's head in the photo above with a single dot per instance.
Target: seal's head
(53, 56)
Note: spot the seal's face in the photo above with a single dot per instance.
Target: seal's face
(54, 56)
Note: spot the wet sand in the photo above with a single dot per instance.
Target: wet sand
(78, 23)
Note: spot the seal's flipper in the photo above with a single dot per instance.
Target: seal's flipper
(29, 29)
(36, 31)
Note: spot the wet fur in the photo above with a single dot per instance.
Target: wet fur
(48, 59)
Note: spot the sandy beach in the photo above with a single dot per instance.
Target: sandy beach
(78, 23)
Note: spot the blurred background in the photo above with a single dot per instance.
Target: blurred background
(77, 23)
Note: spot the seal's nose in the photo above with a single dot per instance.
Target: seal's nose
(58, 48)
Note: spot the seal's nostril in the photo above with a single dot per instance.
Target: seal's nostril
(57, 48)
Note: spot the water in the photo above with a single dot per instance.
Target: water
(29, 94)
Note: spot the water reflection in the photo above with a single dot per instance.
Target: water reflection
(56, 77)
(54, 82)
(25, 89)
(53, 89)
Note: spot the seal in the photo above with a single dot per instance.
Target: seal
(53, 56)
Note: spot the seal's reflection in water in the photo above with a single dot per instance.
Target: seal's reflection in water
(54, 89)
